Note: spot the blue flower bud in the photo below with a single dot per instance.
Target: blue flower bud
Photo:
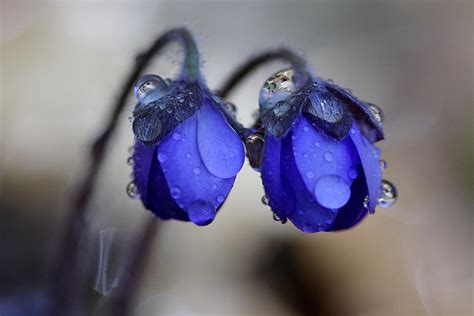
(319, 167)
(186, 154)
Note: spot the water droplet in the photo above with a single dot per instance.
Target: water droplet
(388, 194)
(130, 161)
(132, 190)
(175, 192)
(188, 155)
(254, 144)
(169, 110)
(162, 157)
(196, 170)
(377, 112)
(176, 136)
(214, 186)
(309, 174)
(317, 144)
(330, 81)
(366, 202)
(352, 173)
(277, 88)
(265, 200)
(383, 164)
(276, 218)
(328, 156)
(131, 150)
(231, 107)
(332, 191)
(220, 198)
(149, 88)
(305, 128)
(201, 212)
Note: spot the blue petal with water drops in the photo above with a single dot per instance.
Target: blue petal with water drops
(354, 211)
(308, 215)
(369, 156)
(219, 145)
(195, 189)
(281, 199)
(326, 165)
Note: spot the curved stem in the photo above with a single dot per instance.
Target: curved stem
(66, 278)
(284, 54)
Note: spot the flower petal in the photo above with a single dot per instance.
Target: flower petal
(327, 166)
(369, 156)
(159, 197)
(219, 145)
(307, 215)
(354, 211)
(280, 199)
(142, 159)
(195, 189)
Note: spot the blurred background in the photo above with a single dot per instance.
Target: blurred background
(62, 64)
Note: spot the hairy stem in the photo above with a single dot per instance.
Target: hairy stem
(66, 281)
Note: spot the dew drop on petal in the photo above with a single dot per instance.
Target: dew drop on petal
(383, 164)
(130, 161)
(376, 112)
(388, 194)
(201, 212)
(352, 173)
(332, 191)
(265, 200)
(175, 192)
(162, 157)
(220, 198)
(132, 190)
(309, 174)
(196, 170)
(328, 156)
(176, 136)
(317, 144)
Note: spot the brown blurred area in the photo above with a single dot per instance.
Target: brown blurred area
(62, 63)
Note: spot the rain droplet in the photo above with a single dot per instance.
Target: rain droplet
(317, 144)
(220, 198)
(196, 170)
(254, 144)
(366, 202)
(214, 186)
(388, 194)
(309, 174)
(169, 110)
(377, 112)
(175, 192)
(265, 200)
(383, 164)
(188, 155)
(150, 87)
(176, 136)
(201, 212)
(277, 88)
(352, 173)
(328, 156)
(130, 161)
(132, 190)
(306, 128)
(162, 157)
(332, 191)
(277, 218)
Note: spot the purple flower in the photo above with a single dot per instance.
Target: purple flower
(186, 155)
(319, 167)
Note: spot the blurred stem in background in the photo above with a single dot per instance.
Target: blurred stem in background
(66, 282)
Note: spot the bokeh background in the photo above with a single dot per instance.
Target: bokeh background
(62, 63)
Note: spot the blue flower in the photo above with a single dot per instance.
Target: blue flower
(319, 167)
(186, 155)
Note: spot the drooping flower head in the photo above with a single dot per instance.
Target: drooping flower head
(320, 168)
(186, 154)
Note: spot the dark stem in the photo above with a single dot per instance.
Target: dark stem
(283, 54)
(66, 279)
